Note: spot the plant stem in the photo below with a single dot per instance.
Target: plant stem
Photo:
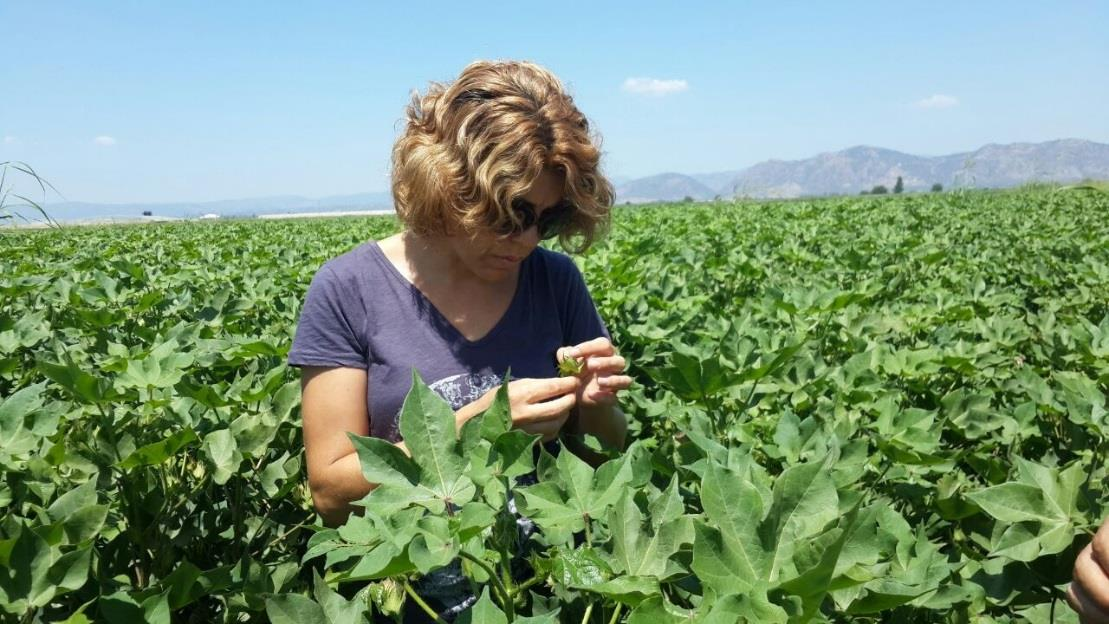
(616, 613)
(497, 584)
(282, 536)
(423, 605)
(588, 612)
(522, 587)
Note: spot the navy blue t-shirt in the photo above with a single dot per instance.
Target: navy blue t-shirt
(361, 312)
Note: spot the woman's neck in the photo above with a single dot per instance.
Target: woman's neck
(432, 262)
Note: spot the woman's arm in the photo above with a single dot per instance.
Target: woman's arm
(333, 403)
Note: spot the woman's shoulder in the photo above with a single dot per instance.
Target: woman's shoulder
(555, 264)
(352, 266)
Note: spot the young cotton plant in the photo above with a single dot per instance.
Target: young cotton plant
(450, 499)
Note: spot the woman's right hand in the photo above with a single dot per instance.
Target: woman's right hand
(539, 406)
(1089, 592)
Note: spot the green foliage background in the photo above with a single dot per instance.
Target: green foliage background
(852, 409)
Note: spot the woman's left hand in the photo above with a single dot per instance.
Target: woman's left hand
(601, 372)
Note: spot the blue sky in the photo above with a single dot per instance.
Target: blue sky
(195, 101)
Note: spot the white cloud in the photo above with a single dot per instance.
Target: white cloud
(10, 140)
(654, 86)
(104, 140)
(938, 101)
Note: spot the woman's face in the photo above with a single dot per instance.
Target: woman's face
(494, 257)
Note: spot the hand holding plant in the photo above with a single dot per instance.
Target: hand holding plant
(540, 406)
(600, 368)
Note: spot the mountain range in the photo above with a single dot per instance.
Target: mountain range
(849, 171)
(846, 172)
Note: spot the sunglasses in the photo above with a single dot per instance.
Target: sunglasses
(550, 224)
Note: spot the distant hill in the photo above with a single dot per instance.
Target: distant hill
(857, 168)
(663, 187)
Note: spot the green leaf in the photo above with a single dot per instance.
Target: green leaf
(571, 493)
(385, 463)
(156, 609)
(579, 567)
(512, 452)
(71, 571)
(753, 608)
(728, 554)
(484, 611)
(84, 524)
(636, 551)
(427, 425)
(162, 368)
(73, 500)
(338, 610)
(29, 581)
(120, 608)
(657, 610)
(220, 448)
(77, 382)
(433, 547)
(294, 609)
(668, 506)
(474, 518)
(805, 501)
(737, 549)
(160, 451)
(182, 585)
(630, 590)
(1015, 502)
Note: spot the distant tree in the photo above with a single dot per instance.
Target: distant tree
(879, 190)
(147, 213)
(627, 203)
(937, 188)
(864, 192)
(900, 186)
(716, 198)
(687, 199)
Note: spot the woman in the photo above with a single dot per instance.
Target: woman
(486, 167)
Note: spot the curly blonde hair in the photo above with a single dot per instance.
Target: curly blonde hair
(472, 146)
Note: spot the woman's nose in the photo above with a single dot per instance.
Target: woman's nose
(529, 236)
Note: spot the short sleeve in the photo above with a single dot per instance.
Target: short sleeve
(581, 321)
(330, 327)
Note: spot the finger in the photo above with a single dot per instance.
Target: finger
(602, 397)
(553, 409)
(548, 430)
(597, 346)
(543, 389)
(614, 383)
(1100, 547)
(1089, 575)
(1080, 601)
(605, 364)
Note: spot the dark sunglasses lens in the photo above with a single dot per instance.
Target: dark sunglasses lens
(526, 215)
(554, 221)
